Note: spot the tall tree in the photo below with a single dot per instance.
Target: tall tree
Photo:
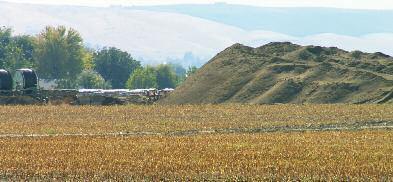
(88, 54)
(115, 66)
(180, 72)
(166, 77)
(143, 78)
(15, 51)
(5, 39)
(60, 54)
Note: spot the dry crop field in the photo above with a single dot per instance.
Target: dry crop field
(197, 142)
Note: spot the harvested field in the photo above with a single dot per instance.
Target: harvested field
(197, 142)
(363, 155)
(24, 120)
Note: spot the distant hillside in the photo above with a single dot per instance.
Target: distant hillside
(161, 34)
(289, 73)
(290, 21)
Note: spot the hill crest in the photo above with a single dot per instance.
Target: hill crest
(282, 72)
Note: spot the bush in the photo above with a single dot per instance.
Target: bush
(143, 78)
(89, 79)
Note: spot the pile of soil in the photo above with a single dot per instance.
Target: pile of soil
(283, 72)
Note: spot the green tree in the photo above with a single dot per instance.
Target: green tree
(191, 70)
(90, 79)
(5, 39)
(88, 55)
(180, 72)
(115, 66)
(15, 51)
(60, 53)
(166, 77)
(143, 78)
(178, 69)
(26, 46)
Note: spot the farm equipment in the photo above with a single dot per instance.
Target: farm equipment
(24, 88)
(20, 89)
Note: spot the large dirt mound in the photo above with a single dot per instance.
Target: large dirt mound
(289, 73)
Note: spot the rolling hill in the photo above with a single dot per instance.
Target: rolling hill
(283, 72)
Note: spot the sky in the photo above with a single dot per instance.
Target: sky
(348, 4)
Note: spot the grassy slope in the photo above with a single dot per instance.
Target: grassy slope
(289, 73)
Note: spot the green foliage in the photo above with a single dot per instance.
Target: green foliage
(115, 66)
(166, 77)
(191, 70)
(180, 72)
(88, 59)
(90, 79)
(60, 53)
(5, 40)
(15, 51)
(143, 78)
(163, 76)
(178, 69)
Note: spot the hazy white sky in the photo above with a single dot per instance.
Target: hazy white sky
(352, 4)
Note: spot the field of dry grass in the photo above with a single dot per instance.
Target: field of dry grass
(359, 155)
(348, 153)
(156, 118)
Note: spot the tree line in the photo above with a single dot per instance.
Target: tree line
(58, 53)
